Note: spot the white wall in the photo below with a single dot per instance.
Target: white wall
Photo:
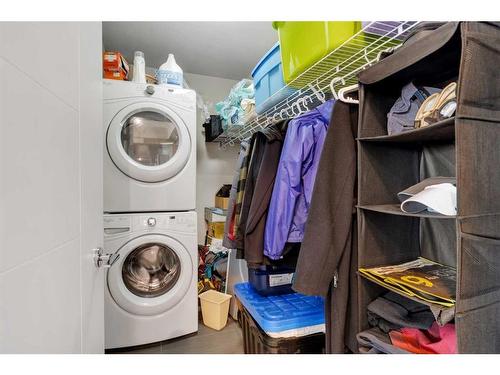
(214, 166)
(41, 184)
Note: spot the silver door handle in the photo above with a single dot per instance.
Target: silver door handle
(102, 260)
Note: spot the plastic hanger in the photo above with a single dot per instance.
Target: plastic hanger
(296, 105)
(303, 101)
(319, 94)
(345, 90)
(332, 86)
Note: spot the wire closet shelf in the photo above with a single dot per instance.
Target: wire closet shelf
(325, 78)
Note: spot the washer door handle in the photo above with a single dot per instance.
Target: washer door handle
(102, 260)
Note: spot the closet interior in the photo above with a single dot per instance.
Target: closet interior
(458, 147)
(455, 147)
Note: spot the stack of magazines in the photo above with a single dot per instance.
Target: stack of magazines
(421, 278)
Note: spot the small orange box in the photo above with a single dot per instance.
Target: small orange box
(114, 61)
(115, 75)
(114, 65)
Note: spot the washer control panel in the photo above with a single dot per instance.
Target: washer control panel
(182, 221)
(153, 222)
(114, 225)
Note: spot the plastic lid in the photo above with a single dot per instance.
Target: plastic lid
(282, 312)
(139, 53)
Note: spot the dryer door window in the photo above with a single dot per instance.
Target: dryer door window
(148, 142)
(151, 270)
(150, 138)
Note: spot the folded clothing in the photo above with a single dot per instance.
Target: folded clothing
(436, 340)
(392, 311)
(374, 341)
(401, 116)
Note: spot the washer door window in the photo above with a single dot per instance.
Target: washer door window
(148, 142)
(151, 270)
(152, 275)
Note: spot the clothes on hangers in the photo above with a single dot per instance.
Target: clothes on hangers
(257, 163)
(231, 240)
(258, 144)
(260, 181)
(295, 178)
(327, 263)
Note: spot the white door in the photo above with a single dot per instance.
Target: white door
(51, 295)
(148, 142)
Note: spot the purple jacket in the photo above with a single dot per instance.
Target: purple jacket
(294, 182)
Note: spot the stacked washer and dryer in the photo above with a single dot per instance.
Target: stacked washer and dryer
(149, 212)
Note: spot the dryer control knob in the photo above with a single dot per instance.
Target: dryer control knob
(151, 221)
(150, 90)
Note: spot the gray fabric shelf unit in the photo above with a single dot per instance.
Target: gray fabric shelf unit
(466, 147)
(395, 209)
(439, 132)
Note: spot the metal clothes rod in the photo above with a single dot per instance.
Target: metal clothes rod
(325, 78)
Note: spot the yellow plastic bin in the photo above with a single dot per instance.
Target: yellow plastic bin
(303, 43)
(215, 308)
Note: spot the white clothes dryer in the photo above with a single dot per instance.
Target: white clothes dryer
(151, 292)
(150, 147)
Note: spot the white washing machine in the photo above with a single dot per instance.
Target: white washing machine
(150, 147)
(151, 292)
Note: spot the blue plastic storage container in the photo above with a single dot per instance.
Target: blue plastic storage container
(268, 79)
(286, 312)
(271, 280)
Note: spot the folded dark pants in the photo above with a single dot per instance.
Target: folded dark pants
(374, 341)
(392, 311)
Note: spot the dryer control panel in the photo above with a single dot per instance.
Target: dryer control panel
(119, 90)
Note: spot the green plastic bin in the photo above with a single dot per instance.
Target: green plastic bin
(303, 43)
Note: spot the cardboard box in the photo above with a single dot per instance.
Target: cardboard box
(115, 75)
(114, 62)
(222, 202)
(216, 230)
(215, 215)
(222, 197)
(114, 65)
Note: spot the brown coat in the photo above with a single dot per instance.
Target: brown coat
(329, 245)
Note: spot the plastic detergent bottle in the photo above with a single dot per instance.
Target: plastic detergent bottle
(139, 73)
(170, 73)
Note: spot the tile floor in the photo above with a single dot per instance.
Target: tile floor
(207, 341)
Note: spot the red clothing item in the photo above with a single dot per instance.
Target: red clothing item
(435, 340)
(231, 234)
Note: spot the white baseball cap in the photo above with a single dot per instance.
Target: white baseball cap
(440, 198)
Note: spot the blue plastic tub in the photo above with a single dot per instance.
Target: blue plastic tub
(293, 311)
(268, 79)
(271, 280)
